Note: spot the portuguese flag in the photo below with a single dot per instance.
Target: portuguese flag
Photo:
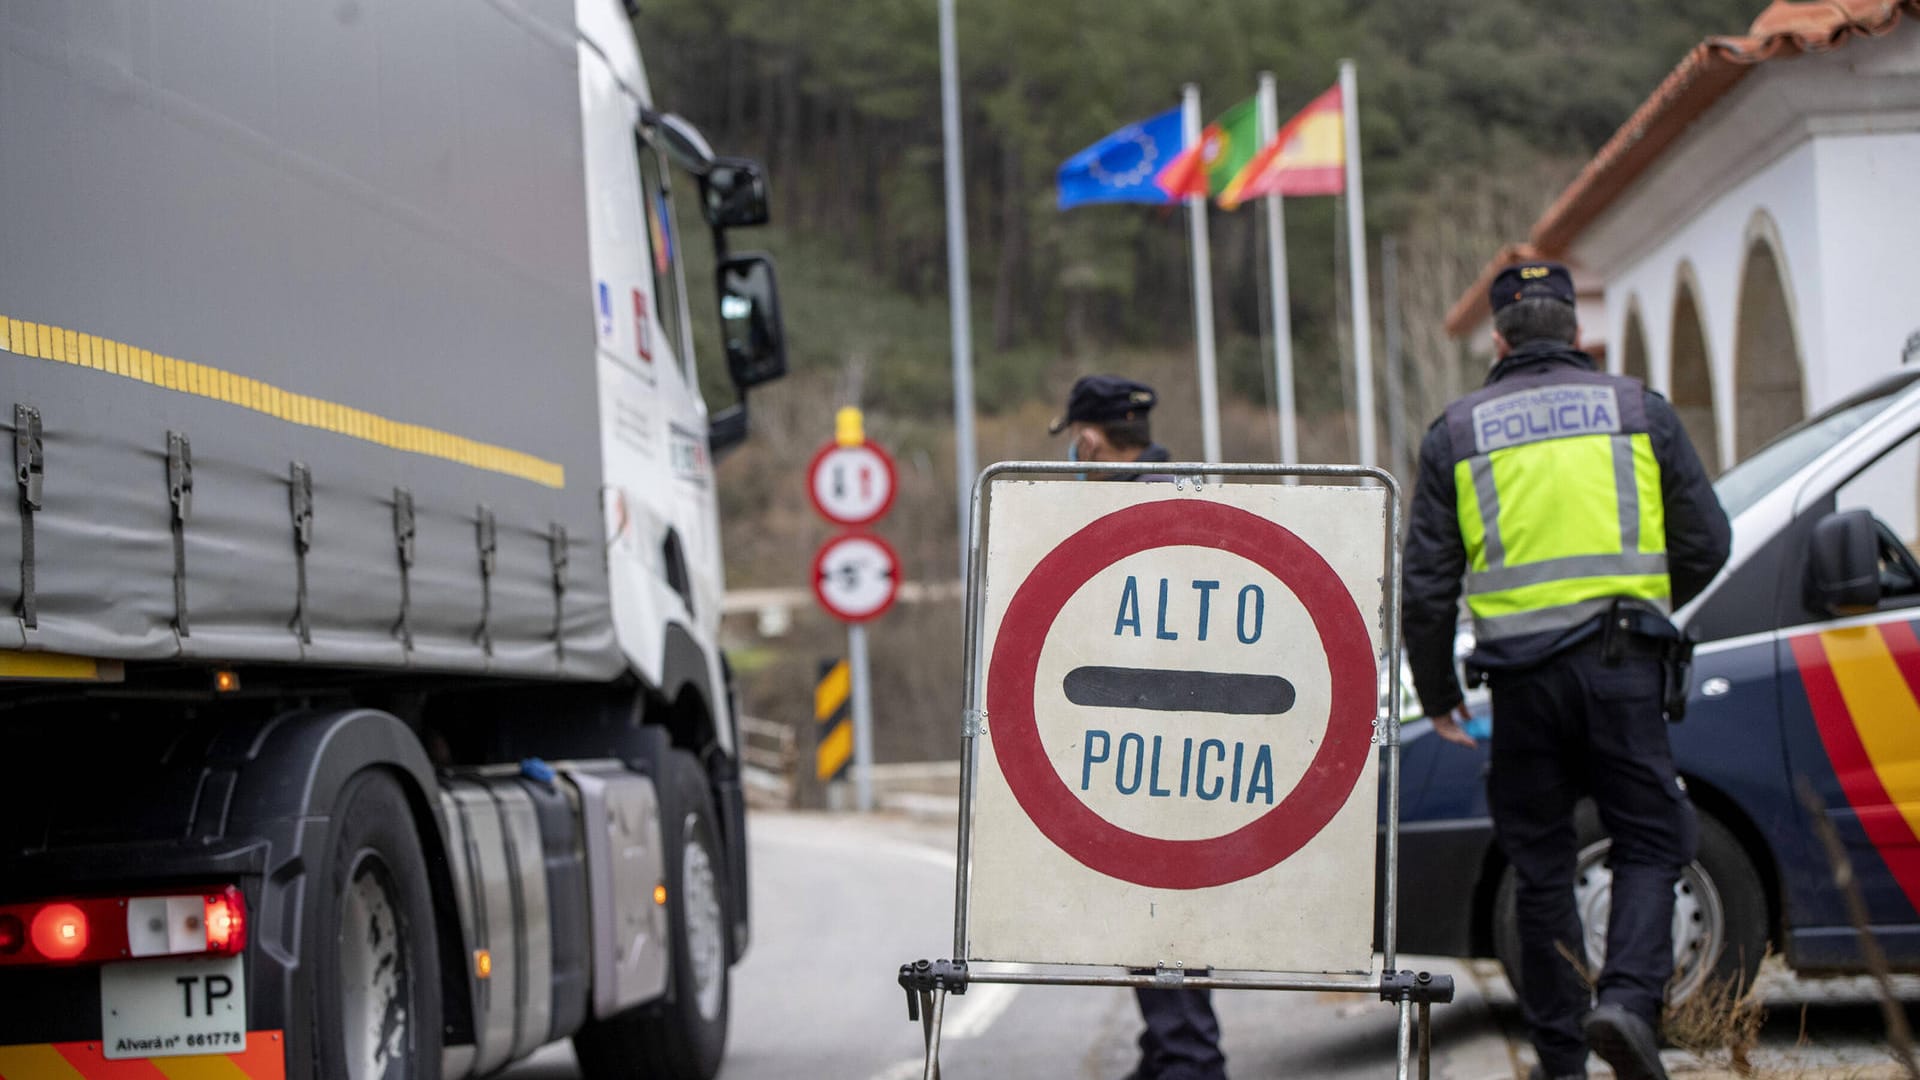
(1225, 148)
(1307, 157)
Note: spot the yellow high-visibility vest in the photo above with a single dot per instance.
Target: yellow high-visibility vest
(1558, 495)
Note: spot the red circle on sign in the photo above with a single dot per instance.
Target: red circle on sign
(886, 463)
(1152, 861)
(820, 575)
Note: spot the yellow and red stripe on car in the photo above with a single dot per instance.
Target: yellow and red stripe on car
(263, 1059)
(1864, 685)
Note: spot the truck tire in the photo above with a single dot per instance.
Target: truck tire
(1720, 911)
(683, 1036)
(376, 959)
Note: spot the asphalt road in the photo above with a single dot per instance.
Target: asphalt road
(840, 900)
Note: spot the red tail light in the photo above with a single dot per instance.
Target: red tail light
(98, 929)
(226, 921)
(60, 932)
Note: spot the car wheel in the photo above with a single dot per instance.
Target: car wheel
(374, 950)
(1719, 911)
(684, 1035)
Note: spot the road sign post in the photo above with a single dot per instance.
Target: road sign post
(856, 576)
(1173, 715)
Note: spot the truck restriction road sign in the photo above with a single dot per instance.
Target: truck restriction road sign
(851, 485)
(856, 577)
(1181, 692)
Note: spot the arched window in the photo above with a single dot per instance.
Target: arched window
(1768, 397)
(1633, 347)
(1692, 382)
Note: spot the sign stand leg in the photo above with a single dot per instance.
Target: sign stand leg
(862, 695)
(1402, 1041)
(934, 1015)
(1426, 1039)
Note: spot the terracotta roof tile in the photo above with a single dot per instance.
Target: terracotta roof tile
(1703, 77)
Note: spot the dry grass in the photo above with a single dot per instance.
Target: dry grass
(1722, 1017)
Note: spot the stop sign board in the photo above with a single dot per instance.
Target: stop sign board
(856, 577)
(851, 484)
(1181, 691)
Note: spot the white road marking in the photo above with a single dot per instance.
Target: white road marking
(972, 1014)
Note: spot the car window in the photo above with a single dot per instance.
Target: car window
(664, 247)
(1889, 489)
(1744, 484)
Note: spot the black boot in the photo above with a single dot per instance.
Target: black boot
(1625, 1042)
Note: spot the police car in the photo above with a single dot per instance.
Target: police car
(1808, 668)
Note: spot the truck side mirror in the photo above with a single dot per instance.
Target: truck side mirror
(733, 194)
(750, 320)
(1843, 568)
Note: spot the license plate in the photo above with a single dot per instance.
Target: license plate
(165, 1008)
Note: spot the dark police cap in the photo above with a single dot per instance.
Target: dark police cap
(1099, 398)
(1528, 280)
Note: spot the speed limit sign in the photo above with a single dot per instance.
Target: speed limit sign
(851, 484)
(856, 577)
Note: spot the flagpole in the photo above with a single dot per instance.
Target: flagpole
(1277, 288)
(1202, 286)
(1357, 266)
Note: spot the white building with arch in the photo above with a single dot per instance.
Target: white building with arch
(1749, 241)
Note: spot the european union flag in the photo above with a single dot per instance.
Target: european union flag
(1122, 166)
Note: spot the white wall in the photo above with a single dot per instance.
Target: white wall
(1869, 239)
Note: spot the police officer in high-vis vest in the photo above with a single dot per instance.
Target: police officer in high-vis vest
(1577, 513)
(1106, 421)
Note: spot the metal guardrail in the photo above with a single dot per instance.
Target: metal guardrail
(770, 747)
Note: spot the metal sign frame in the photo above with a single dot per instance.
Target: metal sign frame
(927, 983)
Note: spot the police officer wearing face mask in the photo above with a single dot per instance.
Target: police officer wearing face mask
(1106, 420)
(1578, 514)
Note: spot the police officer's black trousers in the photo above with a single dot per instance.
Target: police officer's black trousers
(1579, 725)
(1182, 1039)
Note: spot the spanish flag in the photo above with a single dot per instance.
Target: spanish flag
(1224, 149)
(1307, 157)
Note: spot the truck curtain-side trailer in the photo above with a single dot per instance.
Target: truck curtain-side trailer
(360, 692)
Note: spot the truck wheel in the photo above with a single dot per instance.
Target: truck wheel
(683, 1036)
(1719, 912)
(376, 959)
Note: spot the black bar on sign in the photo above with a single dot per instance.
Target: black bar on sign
(1178, 691)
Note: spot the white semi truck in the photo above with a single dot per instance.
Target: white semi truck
(361, 705)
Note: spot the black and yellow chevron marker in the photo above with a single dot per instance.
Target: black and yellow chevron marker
(833, 725)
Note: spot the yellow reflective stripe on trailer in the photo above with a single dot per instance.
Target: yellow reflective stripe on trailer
(45, 665)
(60, 345)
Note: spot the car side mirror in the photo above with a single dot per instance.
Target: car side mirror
(750, 320)
(733, 194)
(1843, 570)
